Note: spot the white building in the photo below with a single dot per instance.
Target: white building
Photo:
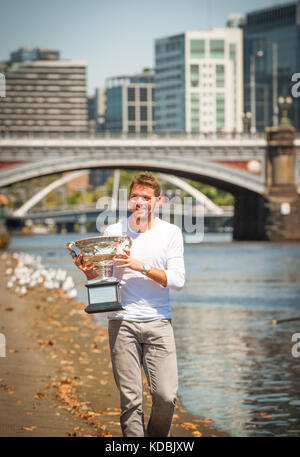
(199, 81)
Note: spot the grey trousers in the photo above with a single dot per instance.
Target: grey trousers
(150, 345)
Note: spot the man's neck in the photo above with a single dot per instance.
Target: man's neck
(140, 225)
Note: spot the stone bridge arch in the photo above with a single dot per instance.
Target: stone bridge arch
(223, 176)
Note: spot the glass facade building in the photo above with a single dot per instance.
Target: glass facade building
(130, 103)
(199, 82)
(272, 35)
(170, 84)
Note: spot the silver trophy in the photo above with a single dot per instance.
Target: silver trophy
(102, 291)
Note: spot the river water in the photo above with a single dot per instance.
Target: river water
(235, 367)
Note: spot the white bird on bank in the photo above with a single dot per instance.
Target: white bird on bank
(29, 272)
(72, 293)
(23, 291)
(10, 284)
(68, 284)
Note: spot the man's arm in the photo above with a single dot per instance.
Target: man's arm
(175, 271)
(158, 276)
(127, 261)
(173, 276)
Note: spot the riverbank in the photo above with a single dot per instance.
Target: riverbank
(56, 378)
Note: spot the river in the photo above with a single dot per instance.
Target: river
(235, 366)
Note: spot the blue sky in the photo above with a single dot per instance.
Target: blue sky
(114, 36)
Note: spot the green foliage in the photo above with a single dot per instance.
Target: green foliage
(218, 196)
(20, 192)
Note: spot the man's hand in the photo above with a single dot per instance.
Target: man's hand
(127, 261)
(86, 267)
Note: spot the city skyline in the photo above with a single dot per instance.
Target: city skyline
(77, 31)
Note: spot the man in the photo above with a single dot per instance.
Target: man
(141, 335)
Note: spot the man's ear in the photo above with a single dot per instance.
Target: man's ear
(159, 201)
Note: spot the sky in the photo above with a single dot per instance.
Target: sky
(114, 37)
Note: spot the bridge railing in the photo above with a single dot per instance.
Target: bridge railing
(136, 135)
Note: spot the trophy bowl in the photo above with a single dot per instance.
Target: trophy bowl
(103, 291)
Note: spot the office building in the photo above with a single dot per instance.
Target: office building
(97, 110)
(130, 103)
(199, 81)
(43, 93)
(272, 41)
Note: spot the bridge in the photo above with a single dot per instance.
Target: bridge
(241, 165)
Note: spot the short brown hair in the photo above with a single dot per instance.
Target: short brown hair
(146, 179)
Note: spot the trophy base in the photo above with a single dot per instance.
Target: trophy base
(103, 307)
(103, 296)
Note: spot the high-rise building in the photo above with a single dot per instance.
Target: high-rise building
(97, 110)
(272, 42)
(199, 81)
(130, 103)
(43, 93)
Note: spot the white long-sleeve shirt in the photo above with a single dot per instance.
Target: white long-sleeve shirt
(142, 298)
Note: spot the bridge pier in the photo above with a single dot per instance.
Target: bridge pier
(282, 219)
(274, 216)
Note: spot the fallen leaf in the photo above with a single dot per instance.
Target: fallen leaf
(45, 343)
(204, 421)
(40, 395)
(29, 429)
(197, 433)
(5, 387)
(188, 425)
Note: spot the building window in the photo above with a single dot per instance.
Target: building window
(220, 76)
(220, 111)
(195, 113)
(197, 49)
(131, 94)
(143, 94)
(144, 129)
(232, 51)
(194, 76)
(143, 113)
(131, 128)
(217, 49)
(131, 113)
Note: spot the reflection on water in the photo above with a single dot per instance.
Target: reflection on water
(234, 365)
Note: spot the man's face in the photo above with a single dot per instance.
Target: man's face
(142, 201)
